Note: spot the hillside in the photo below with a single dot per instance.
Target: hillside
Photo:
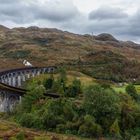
(10, 130)
(93, 83)
(52, 46)
(44, 46)
(110, 66)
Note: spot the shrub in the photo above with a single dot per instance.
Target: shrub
(34, 95)
(89, 128)
(61, 128)
(131, 90)
(115, 129)
(74, 89)
(103, 104)
(48, 84)
(26, 119)
(20, 136)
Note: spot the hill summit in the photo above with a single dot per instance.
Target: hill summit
(106, 37)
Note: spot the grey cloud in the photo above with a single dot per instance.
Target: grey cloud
(107, 13)
(57, 13)
(114, 21)
(134, 24)
(17, 12)
(8, 1)
(23, 12)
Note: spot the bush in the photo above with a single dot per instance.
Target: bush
(131, 90)
(71, 91)
(103, 104)
(115, 129)
(27, 120)
(74, 89)
(20, 136)
(34, 95)
(48, 84)
(61, 128)
(50, 121)
(130, 116)
(57, 112)
(89, 128)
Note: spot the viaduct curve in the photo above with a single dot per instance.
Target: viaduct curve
(11, 82)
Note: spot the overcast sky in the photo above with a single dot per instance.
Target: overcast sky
(118, 17)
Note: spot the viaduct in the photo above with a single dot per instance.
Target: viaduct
(11, 82)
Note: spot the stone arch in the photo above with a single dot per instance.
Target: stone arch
(12, 101)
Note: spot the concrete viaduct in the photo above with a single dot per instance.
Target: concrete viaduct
(11, 82)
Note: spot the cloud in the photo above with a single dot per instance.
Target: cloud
(8, 1)
(16, 11)
(108, 19)
(115, 21)
(57, 11)
(104, 13)
(24, 12)
(134, 26)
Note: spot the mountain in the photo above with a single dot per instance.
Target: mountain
(45, 46)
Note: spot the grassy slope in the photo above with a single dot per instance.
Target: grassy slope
(11, 130)
(86, 80)
(122, 88)
(51, 46)
(71, 75)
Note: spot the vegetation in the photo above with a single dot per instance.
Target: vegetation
(17, 54)
(12, 131)
(61, 84)
(131, 90)
(110, 66)
(86, 107)
(94, 111)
